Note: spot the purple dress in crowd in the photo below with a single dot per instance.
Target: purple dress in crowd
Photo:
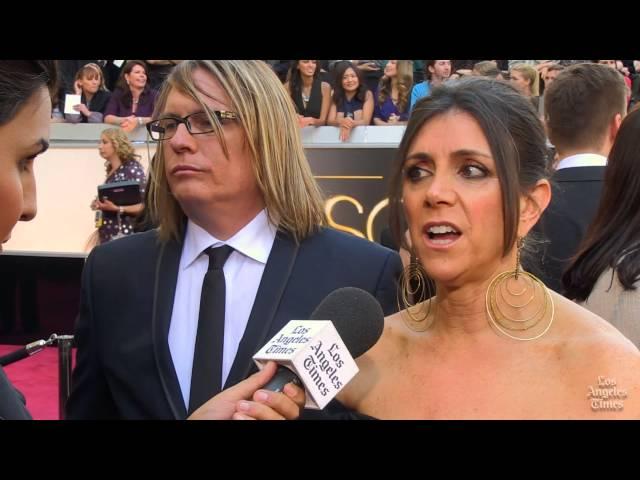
(384, 111)
(130, 171)
(117, 107)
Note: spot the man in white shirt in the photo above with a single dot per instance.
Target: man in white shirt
(584, 107)
(235, 200)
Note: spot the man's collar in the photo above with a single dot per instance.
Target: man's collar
(254, 240)
(582, 160)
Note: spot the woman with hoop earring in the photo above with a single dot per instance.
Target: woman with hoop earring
(491, 341)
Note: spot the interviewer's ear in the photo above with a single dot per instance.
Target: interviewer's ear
(533, 205)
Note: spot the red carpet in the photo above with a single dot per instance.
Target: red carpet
(37, 378)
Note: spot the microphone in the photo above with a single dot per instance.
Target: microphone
(317, 354)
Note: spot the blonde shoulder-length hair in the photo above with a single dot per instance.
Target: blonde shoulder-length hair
(531, 74)
(122, 146)
(266, 113)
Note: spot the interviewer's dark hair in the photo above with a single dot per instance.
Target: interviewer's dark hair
(513, 130)
(613, 238)
(19, 80)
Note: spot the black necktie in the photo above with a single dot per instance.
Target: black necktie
(206, 373)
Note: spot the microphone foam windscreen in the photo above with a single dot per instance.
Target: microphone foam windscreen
(356, 315)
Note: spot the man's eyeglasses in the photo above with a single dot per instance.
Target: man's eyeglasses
(196, 123)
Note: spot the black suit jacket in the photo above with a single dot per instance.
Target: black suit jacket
(124, 367)
(11, 401)
(574, 202)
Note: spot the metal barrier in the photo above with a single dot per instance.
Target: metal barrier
(65, 344)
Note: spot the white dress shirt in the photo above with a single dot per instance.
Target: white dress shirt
(242, 274)
(583, 160)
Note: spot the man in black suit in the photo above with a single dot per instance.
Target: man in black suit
(230, 176)
(25, 112)
(584, 107)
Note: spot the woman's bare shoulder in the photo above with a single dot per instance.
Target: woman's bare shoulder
(599, 357)
(576, 321)
(376, 362)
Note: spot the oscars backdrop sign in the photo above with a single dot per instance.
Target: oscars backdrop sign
(355, 183)
(316, 353)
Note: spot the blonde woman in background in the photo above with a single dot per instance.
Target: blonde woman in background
(94, 97)
(392, 98)
(527, 80)
(121, 165)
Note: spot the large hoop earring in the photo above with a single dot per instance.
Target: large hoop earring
(524, 312)
(413, 284)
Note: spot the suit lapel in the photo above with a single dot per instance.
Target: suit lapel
(166, 277)
(272, 285)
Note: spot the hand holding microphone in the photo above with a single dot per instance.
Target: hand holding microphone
(246, 401)
(318, 353)
(322, 350)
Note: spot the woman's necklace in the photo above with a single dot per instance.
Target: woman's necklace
(305, 98)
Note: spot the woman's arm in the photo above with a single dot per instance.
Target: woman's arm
(133, 209)
(377, 113)
(92, 117)
(95, 117)
(332, 118)
(72, 117)
(326, 102)
(112, 110)
(113, 120)
(367, 111)
(109, 206)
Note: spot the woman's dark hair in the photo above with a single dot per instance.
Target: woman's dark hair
(19, 80)
(339, 95)
(295, 78)
(513, 130)
(127, 97)
(613, 238)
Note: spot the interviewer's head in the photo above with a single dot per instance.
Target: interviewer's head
(25, 113)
